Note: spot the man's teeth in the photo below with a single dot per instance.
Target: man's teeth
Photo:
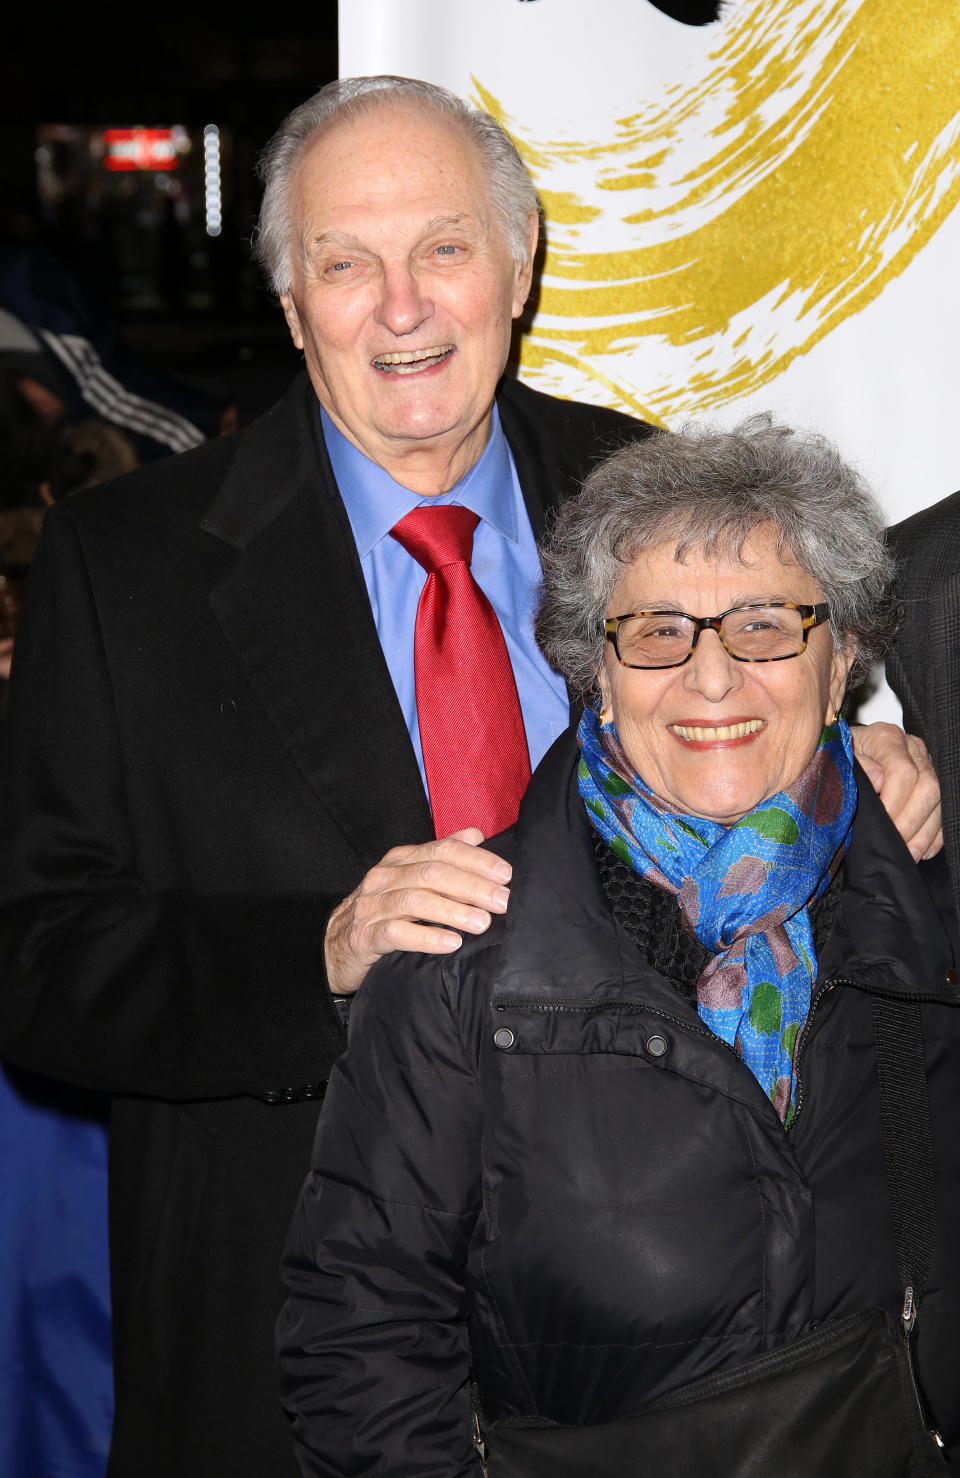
(721, 731)
(408, 361)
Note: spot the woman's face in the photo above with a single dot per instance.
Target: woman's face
(784, 705)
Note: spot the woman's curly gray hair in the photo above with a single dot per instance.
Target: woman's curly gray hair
(705, 490)
(512, 192)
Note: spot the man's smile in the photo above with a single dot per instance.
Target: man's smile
(411, 361)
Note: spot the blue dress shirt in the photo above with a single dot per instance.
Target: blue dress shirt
(505, 565)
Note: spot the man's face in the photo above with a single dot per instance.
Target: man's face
(404, 291)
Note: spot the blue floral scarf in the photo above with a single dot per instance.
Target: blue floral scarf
(744, 890)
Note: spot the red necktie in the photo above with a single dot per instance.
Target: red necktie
(471, 728)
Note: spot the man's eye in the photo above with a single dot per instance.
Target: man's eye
(340, 266)
(446, 250)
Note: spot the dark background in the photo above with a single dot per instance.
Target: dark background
(186, 303)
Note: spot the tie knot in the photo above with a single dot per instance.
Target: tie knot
(437, 536)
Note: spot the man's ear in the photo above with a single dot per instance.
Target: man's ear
(524, 277)
(293, 319)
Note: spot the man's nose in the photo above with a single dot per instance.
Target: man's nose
(403, 303)
(711, 671)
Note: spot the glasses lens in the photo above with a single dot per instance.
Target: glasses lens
(763, 632)
(654, 639)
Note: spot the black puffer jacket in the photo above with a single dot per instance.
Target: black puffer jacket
(535, 1160)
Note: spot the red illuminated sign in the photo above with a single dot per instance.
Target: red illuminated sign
(139, 148)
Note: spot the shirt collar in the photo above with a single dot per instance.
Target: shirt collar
(375, 502)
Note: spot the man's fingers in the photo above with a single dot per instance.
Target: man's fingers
(900, 770)
(434, 906)
(458, 849)
(913, 801)
(450, 903)
(417, 898)
(411, 890)
(455, 882)
(409, 936)
(919, 819)
(461, 851)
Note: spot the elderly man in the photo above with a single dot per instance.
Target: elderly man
(252, 689)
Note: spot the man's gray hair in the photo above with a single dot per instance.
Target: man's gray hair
(705, 490)
(511, 190)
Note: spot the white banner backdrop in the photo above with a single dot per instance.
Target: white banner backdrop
(754, 214)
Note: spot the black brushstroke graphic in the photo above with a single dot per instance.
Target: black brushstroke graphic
(687, 12)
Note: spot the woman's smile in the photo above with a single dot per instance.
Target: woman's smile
(708, 734)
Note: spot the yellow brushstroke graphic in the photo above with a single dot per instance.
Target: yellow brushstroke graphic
(745, 212)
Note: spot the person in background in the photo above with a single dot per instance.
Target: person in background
(923, 664)
(302, 686)
(45, 453)
(634, 1136)
(77, 366)
(56, 1366)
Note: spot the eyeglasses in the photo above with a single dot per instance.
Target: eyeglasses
(770, 631)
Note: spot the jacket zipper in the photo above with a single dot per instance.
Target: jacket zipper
(908, 1319)
(805, 1035)
(939, 997)
(630, 1008)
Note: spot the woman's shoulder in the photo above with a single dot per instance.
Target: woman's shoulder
(893, 915)
(429, 1008)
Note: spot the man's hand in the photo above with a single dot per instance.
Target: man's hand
(6, 657)
(452, 883)
(901, 773)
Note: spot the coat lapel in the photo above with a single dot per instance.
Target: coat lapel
(541, 467)
(294, 608)
(544, 474)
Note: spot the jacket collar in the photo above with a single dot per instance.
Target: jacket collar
(887, 932)
(556, 893)
(275, 459)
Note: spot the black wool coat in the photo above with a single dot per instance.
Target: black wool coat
(923, 665)
(535, 1160)
(204, 753)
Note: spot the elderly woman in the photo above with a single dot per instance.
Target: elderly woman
(641, 1159)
